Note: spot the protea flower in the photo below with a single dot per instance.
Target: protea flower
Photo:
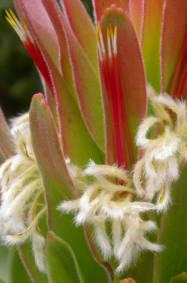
(89, 171)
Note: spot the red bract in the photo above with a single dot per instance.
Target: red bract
(66, 41)
(126, 104)
(95, 76)
(125, 100)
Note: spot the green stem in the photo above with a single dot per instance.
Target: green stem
(116, 280)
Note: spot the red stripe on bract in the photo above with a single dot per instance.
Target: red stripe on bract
(112, 85)
(123, 81)
(38, 59)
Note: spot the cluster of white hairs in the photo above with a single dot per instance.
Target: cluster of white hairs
(163, 154)
(21, 191)
(106, 202)
(117, 199)
(112, 200)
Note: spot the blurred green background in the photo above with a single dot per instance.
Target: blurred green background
(18, 77)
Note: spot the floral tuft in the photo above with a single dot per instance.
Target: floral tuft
(22, 194)
(164, 154)
(109, 198)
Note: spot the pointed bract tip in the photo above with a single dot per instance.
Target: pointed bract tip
(18, 25)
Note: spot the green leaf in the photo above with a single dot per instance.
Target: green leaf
(85, 76)
(25, 253)
(77, 143)
(57, 184)
(173, 235)
(88, 89)
(17, 271)
(62, 264)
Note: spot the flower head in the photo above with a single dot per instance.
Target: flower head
(109, 198)
(22, 193)
(163, 155)
(95, 108)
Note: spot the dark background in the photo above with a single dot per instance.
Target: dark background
(18, 77)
